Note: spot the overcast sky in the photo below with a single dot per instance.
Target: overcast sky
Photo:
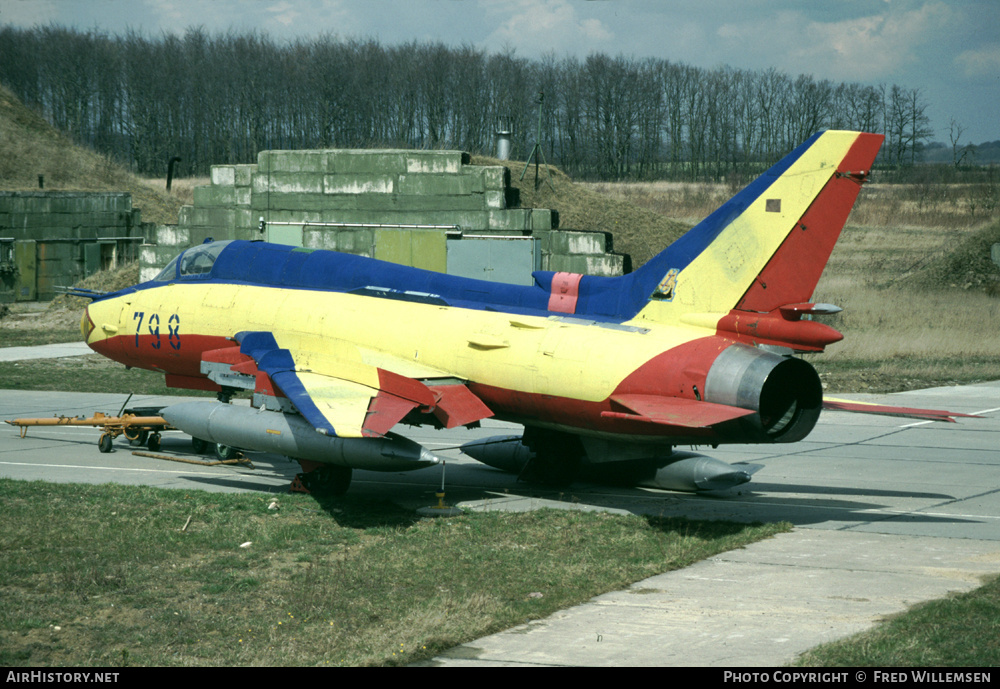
(950, 50)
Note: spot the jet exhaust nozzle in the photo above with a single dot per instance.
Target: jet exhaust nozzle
(784, 391)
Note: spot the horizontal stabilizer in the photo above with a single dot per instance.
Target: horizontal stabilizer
(833, 404)
(673, 411)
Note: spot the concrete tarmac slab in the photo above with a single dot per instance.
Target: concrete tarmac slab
(887, 512)
(51, 351)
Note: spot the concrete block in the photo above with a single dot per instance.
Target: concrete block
(359, 242)
(517, 219)
(172, 236)
(245, 218)
(116, 202)
(209, 217)
(223, 175)
(495, 200)
(295, 216)
(243, 175)
(243, 196)
(153, 259)
(288, 183)
(212, 196)
(543, 219)
(436, 161)
(148, 272)
(270, 162)
(422, 204)
(359, 184)
(604, 265)
(56, 251)
(40, 205)
(439, 184)
(262, 204)
(568, 242)
(366, 162)
(491, 177)
(318, 239)
(510, 220)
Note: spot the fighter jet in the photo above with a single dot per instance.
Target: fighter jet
(607, 375)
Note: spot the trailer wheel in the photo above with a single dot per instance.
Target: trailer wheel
(198, 445)
(224, 452)
(104, 444)
(154, 442)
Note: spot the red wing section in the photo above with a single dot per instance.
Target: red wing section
(456, 405)
(884, 410)
(673, 411)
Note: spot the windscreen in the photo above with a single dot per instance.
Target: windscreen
(195, 262)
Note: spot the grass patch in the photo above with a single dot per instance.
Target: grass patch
(959, 631)
(344, 582)
(11, 337)
(902, 373)
(91, 373)
(30, 146)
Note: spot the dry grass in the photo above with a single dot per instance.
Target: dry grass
(685, 202)
(30, 147)
(182, 189)
(638, 230)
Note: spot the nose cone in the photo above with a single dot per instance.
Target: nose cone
(99, 327)
(86, 325)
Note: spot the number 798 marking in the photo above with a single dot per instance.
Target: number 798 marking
(173, 326)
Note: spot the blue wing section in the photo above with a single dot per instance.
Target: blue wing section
(280, 365)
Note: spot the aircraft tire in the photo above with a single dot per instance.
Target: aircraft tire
(104, 444)
(557, 458)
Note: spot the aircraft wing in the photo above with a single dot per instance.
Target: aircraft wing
(336, 391)
(834, 404)
(673, 411)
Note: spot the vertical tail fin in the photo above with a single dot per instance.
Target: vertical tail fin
(767, 246)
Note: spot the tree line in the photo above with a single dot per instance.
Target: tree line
(222, 98)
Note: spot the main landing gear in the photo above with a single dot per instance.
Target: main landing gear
(322, 479)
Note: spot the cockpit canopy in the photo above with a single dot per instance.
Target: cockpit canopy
(193, 263)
